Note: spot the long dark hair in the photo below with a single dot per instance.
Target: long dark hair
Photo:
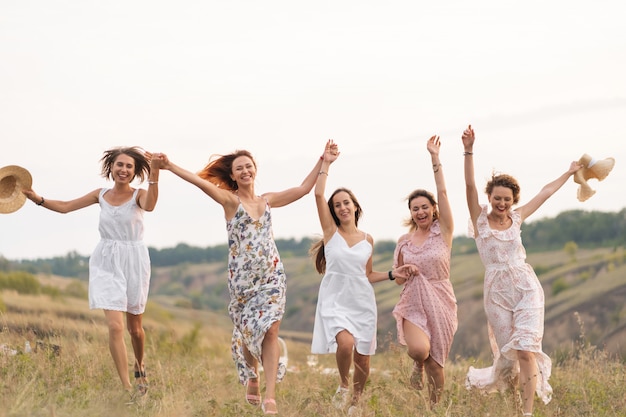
(317, 248)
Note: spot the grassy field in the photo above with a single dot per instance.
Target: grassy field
(191, 372)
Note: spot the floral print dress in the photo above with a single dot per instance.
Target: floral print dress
(514, 304)
(257, 285)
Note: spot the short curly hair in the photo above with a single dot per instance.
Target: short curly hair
(504, 180)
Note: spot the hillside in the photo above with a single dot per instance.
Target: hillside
(582, 287)
(582, 270)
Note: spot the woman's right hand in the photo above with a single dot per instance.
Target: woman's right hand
(433, 145)
(31, 195)
(163, 161)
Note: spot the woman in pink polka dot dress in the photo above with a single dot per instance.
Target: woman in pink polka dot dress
(513, 296)
(426, 312)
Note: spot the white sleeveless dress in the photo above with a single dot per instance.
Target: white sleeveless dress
(346, 298)
(119, 267)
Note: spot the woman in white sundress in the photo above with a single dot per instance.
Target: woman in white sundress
(256, 277)
(346, 314)
(513, 296)
(119, 267)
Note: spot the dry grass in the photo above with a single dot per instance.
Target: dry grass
(191, 373)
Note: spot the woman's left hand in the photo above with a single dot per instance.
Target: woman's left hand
(405, 271)
(331, 151)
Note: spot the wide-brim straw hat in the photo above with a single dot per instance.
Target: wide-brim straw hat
(13, 179)
(591, 169)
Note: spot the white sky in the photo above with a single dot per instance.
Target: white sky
(541, 82)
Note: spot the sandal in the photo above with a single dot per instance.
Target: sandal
(269, 401)
(142, 383)
(341, 397)
(253, 399)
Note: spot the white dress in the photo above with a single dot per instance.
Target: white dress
(514, 305)
(119, 267)
(346, 298)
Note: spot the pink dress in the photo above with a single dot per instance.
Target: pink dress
(514, 304)
(428, 300)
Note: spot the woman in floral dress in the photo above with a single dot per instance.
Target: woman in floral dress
(256, 277)
(513, 296)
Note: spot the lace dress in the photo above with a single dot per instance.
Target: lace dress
(256, 285)
(119, 267)
(346, 298)
(514, 304)
(428, 300)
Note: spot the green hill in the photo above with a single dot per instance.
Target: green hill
(581, 268)
(586, 287)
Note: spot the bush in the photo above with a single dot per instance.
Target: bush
(22, 282)
(558, 286)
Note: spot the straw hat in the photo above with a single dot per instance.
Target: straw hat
(592, 169)
(13, 179)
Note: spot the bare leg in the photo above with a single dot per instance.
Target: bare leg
(115, 323)
(361, 373)
(343, 356)
(436, 379)
(418, 349)
(527, 379)
(253, 391)
(137, 338)
(270, 356)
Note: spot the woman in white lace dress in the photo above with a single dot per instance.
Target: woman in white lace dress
(513, 296)
(119, 267)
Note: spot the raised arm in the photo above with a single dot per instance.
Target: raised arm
(221, 196)
(288, 196)
(331, 152)
(547, 191)
(148, 198)
(471, 193)
(63, 206)
(446, 220)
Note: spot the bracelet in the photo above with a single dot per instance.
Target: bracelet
(322, 172)
(41, 202)
(468, 153)
(391, 277)
(436, 167)
(152, 182)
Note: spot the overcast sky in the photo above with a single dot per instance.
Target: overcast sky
(541, 82)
